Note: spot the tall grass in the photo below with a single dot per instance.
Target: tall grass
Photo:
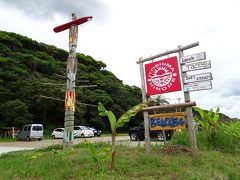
(215, 139)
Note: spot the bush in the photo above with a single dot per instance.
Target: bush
(214, 140)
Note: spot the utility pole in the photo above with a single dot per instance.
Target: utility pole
(70, 96)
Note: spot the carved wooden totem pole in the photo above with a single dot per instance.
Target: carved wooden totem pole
(71, 76)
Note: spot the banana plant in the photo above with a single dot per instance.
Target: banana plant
(116, 124)
(207, 119)
(232, 129)
(103, 154)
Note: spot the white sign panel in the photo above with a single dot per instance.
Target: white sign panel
(193, 57)
(198, 77)
(198, 86)
(196, 66)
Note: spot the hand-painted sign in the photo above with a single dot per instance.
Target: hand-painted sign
(198, 77)
(167, 121)
(162, 76)
(198, 86)
(196, 66)
(70, 100)
(193, 57)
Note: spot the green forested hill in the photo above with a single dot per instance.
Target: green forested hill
(25, 65)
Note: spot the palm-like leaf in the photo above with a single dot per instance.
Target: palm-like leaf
(127, 116)
(92, 151)
(207, 118)
(111, 116)
(105, 152)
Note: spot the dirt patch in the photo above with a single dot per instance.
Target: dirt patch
(176, 149)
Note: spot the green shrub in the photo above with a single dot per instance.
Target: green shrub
(216, 139)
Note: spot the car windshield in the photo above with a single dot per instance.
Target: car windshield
(84, 128)
(37, 128)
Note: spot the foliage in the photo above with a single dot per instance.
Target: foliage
(217, 135)
(208, 119)
(158, 100)
(25, 65)
(15, 113)
(218, 141)
(116, 124)
(102, 155)
(123, 119)
(232, 129)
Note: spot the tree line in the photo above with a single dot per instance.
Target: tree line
(30, 70)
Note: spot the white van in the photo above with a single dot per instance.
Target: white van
(30, 131)
(83, 131)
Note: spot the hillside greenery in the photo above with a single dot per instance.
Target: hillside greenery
(27, 65)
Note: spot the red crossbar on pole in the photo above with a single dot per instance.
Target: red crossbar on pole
(69, 24)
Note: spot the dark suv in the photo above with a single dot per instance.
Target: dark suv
(95, 131)
(137, 133)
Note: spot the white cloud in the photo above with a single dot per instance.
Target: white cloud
(122, 31)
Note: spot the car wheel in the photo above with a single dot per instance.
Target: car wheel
(17, 139)
(160, 136)
(39, 139)
(82, 135)
(53, 137)
(28, 139)
(133, 136)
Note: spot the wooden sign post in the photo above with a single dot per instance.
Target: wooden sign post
(71, 76)
(189, 112)
(145, 113)
(186, 94)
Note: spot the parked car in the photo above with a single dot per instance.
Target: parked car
(30, 131)
(95, 131)
(83, 131)
(58, 133)
(138, 133)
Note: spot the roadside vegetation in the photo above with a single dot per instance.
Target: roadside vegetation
(76, 163)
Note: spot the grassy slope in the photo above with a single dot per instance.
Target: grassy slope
(53, 163)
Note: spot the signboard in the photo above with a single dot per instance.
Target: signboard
(193, 57)
(167, 121)
(162, 76)
(198, 86)
(198, 77)
(196, 66)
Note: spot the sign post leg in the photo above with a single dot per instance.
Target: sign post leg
(145, 113)
(189, 113)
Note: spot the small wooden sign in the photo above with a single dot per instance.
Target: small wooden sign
(168, 121)
(193, 57)
(198, 77)
(196, 66)
(198, 86)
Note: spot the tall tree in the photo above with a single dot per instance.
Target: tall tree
(15, 113)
